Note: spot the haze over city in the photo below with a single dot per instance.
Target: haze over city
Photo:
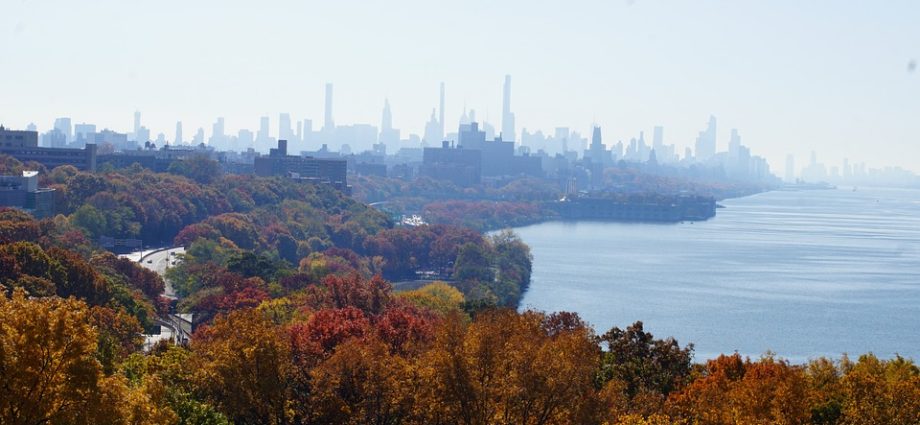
(792, 77)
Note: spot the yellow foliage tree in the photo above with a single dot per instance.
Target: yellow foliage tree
(49, 372)
(436, 296)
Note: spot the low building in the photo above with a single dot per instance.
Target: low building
(279, 163)
(463, 167)
(23, 192)
(23, 145)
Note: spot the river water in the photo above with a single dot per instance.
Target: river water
(801, 274)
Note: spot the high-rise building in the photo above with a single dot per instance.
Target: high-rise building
(141, 133)
(217, 133)
(507, 117)
(706, 141)
(263, 129)
(65, 127)
(199, 137)
(433, 130)
(84, 133)
(386, 121)
(178, 139)
(597, 152)
(328, 124)
(285, 132)
(658, 139)
(263, 140)
(54, 138)
(137, 123)
(734, 144)
(388, 135)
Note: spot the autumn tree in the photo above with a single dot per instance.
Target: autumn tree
(732, 390)
(243, 365)
(508, 368)
(881, 391)
(644, 368)
(362, 383)
(49, 372)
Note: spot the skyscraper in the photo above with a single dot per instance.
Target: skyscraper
(706, 141)
(199, 137)
(285, 132)
(658, 139)
(263, 139)
(433, 131)
(386, 122)
(734, 144)
(597, 152)
(65, 127)
(84, 133)
(507, 116)
(217, 133)
(137, 123)
(178, 139)
(328, 124)
(388, 135)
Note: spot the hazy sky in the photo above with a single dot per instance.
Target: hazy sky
(792, 76)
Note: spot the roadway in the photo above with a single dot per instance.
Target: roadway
(160, 261)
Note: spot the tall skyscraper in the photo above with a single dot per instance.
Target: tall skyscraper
(137, 123)
(178, 139)
(285, 132)
(507, 116)
(658, 139)
(388, 135)
(217, 133)
(433, 131)
(441, 114)
(199, 137)
(597, 152)
(263, 139)
(734, 144)
(386, 122)
(328, 124)
(263, 128)
(706, 141)
(65, 127)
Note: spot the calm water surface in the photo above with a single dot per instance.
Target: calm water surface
(802, 274)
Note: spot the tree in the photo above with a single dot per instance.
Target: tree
(436, 296)
(473, 264)
(508, 368)
(198, 168)
(362, 383)
(647, 368)
(48, 369)
(878, 391)
(732, 390)
(243, 366)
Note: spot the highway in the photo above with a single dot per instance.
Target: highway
(159, 262)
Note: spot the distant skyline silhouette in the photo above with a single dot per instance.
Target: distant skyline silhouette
(830, 76)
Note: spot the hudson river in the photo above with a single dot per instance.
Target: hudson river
(802, 274)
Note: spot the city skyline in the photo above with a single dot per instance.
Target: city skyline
(824, 84)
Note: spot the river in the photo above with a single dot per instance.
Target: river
(801, 274)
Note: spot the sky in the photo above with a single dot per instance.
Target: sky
(791, 76)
